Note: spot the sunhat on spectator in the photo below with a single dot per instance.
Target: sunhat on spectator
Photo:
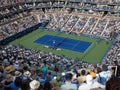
(34, 84)
(63, 74)
(18, 73)
(9, 78)
(9, 69)
(27, 74)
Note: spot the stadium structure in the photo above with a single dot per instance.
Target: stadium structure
(69, 34)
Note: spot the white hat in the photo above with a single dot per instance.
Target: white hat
(27, 74)
(89, 79)
(54, 77)
(34, 84)
(63, 74)
(16, 62)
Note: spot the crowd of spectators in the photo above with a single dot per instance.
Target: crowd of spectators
(112, 26)
(9, 2)
(114, 53)
(81, 23)
(17, 26)
(70, 23)
(91, 25)
(13, 12)
(96, 6)
(14, 17)
(103, 1)
(21, 57)
(23, 68)
(81, 5)
(75, 23)
(88, 28)
(66, 22)
(99, 27)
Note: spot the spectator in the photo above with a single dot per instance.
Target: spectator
(81, 79)
(90, 83)
(1, 81)
(15, 85)
(113, 84)
(117, 71)
(9, 69)
(47, 86)
(56, 83)
(8, 81)
(104, 75)
(27, 76)
(35, 85)
(18, 74)
(68, 85)
(44, 68)
(16, 65)
(25, 85)
(48, 77)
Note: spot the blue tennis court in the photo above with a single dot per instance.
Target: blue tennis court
(65, 43)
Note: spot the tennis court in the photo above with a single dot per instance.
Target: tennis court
(65, 43)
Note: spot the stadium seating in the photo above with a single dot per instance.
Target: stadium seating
(17, 26)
